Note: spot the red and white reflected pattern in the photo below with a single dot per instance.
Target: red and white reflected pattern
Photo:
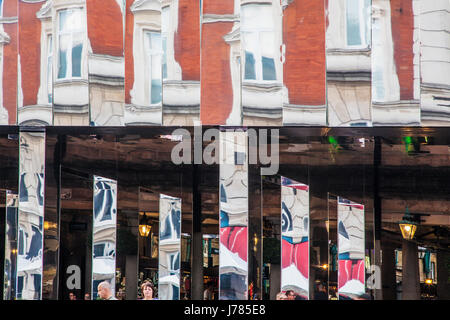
(351, 272)
(295, 237)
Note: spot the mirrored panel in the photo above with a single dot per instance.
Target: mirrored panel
(70, 61)
(143, 63)
(180, 32)
(304, 73)
(31, 215)
(348, 50)
(233, 219)
(8, 61)
(351, 249)
(10, 264)
(220, 63)
(262, 68)
(34, 105)
(395, 63)
(434, 76)
(169, 247)
(295, 237)
(271, 238)
(104, 238)
(106, 62)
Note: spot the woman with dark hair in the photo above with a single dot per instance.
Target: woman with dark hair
(148, 291)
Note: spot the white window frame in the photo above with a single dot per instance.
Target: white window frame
(362, 22)
(49, 67)
(68, 74)
(165, 25)
(150, 53)
(258, 52)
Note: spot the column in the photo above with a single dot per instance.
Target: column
(410, 277)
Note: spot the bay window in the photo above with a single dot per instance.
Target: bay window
(258, 40)
(70, 43)
(154, 55)
(358, 24)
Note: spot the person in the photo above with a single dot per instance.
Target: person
(104, 291)
(148, 290)
(290, 294)
(208, 293)
(281, 296)
(72, 296)
(320, 294)
(87, 296)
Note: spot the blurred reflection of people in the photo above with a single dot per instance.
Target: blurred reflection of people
(104, 291)
(72, 296)
(321, 293)
(87, 296)
(208, 293)
(281, 296)
(290, 294)
(148, 291)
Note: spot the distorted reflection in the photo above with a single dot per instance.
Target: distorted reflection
(169, 247)
(70, 87)
(10, 246)
(233, 259)
(106, 63)
(143, 65)
(295, 237)
(31, 215)
(104, 233)
(351, 270)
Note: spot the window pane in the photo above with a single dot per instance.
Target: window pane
(268, 69)
(62, 65)
(256, 16)
(156, 91)
(1, 7)
(353, 23)
(76, 60)
(368, 22)
(164, 69)
(155, 42)
(71, 20)
(249, 66)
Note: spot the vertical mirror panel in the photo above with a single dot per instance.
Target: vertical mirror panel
(143, 63)
(34, 105)
(75, 225)
(348, 50)
(169, 247)
(434, 61)
(148, 241)
(331, 225)
(31, 215)
(180, 32)
(70, 63)
(271, 246)
(262, 67)
(304, 73)
(127, 242)
(106, 62)
(104, 236)
(233, 219)
(8, 61)
(295, 237)
(351, 249)
(220, 63)
(395, 54)
(10, 264)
